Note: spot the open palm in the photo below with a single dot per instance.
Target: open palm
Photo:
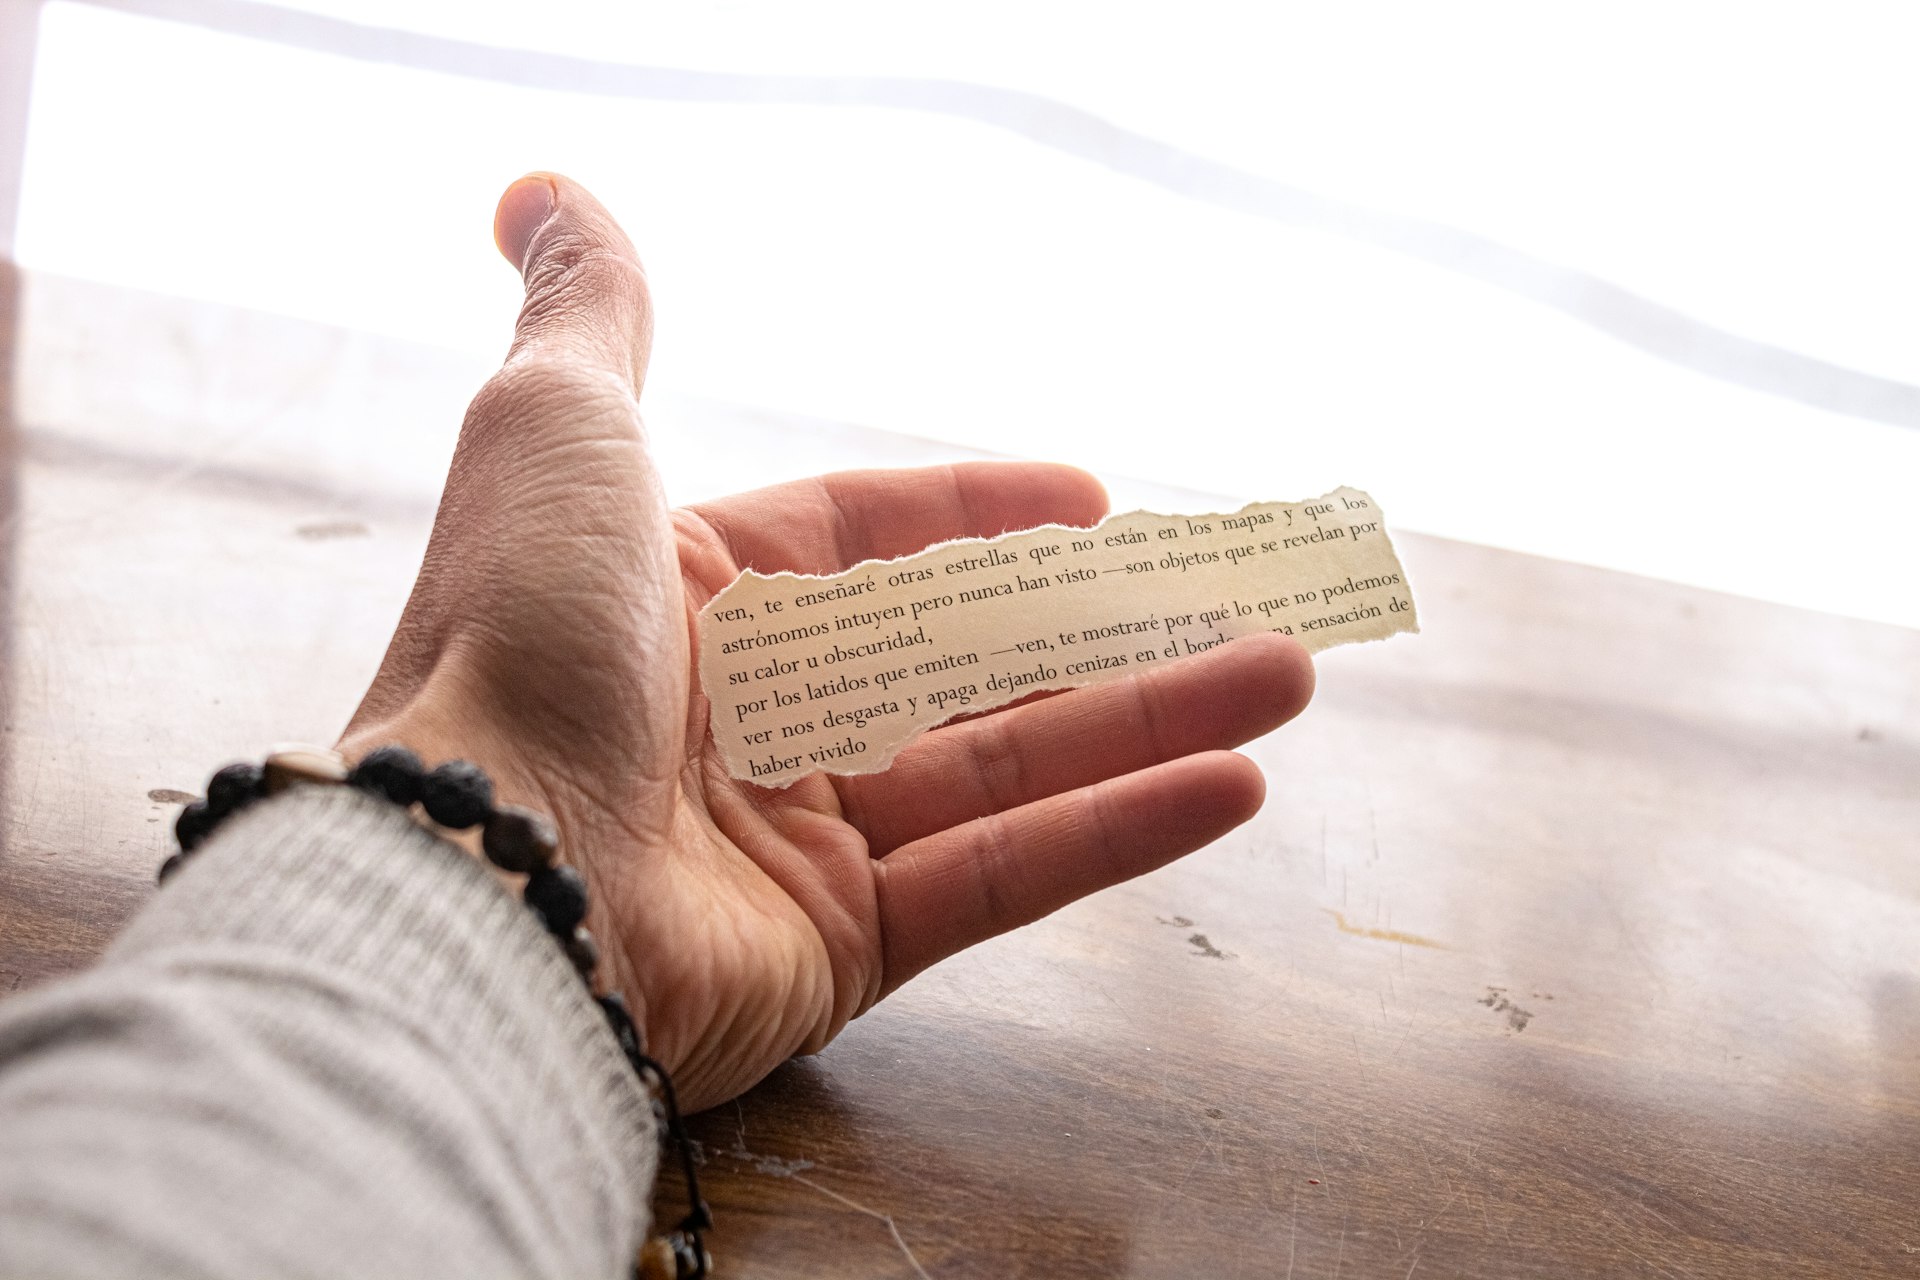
(549, 638)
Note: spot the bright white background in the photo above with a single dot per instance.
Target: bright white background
(1750, 166)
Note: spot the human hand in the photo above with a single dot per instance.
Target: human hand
(548, 639)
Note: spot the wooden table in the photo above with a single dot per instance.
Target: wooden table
(1580, 935)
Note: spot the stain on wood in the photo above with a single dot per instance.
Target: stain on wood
(1496, 1000)
(1382, 935)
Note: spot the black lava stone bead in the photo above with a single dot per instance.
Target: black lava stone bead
(233, 788)
(393, 772)
(560, 896)
(194, 824)
(457, 795)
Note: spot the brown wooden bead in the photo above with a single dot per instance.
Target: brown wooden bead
(656, 1261)
(520, 840)
(295, 764)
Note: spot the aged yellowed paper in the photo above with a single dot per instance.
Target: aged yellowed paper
(837, 674)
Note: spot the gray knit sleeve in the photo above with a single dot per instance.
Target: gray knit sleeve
(332, 1046)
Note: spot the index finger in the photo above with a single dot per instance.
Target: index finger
(833, 522)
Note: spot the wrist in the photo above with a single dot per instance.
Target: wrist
(436, 734)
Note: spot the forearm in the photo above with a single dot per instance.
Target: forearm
(333, 1045)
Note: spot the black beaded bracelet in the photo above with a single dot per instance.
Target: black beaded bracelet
(458, 795)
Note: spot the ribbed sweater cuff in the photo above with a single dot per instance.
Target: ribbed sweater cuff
(339, 889)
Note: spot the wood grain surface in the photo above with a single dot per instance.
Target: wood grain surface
(1580, 935)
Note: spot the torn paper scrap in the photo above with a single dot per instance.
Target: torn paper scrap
(837, 674)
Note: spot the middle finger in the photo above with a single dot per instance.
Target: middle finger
(996, 762)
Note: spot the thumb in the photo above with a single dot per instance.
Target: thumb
(586, 291)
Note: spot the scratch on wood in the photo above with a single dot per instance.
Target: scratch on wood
(1632, 936)
(776, 1167)
(1443, 1209)
(1622, 1223)
(1293, 1235)
(892, 1228)
(1384, 935)
(772, 1166)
